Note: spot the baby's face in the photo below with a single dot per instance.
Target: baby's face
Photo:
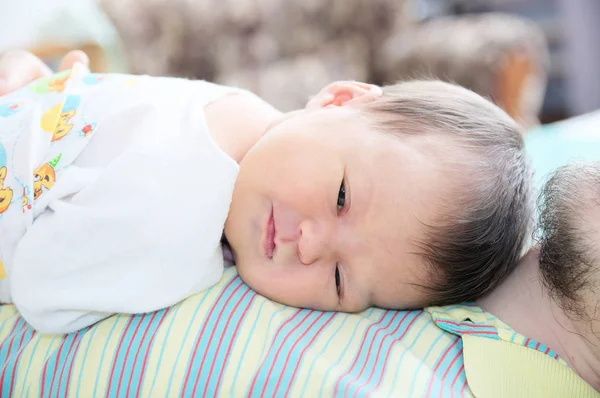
(325, 213)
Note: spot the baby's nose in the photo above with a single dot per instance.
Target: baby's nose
(315, 242)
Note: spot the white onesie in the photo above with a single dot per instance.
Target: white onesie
(113, 196)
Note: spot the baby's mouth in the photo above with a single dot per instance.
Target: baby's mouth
(270, 236)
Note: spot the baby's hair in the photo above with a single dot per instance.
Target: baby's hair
(567, 238)
(477, 240)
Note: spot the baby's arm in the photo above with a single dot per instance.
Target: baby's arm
(238, 121)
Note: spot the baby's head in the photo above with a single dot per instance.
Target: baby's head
(413, 195)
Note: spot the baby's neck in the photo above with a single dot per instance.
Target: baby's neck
(523, 303)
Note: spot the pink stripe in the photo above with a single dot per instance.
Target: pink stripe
(114, 364)
(479, 332)
(385, 362)
(465, 324)
(458, 355)
(274, 339)
(439, 362)
(62, 371)
(369, 351)
(137, 352)
(287, 358)
(537, 346)
(164, 315)
(12, 381)
(55, 365)
(460, 370)
(230, 345)
(137, 327)
(360, 387)
(462, 390)
(547, 350)
(189, 368)
(262, 394)
(12, 330)
(212, 366)
(310, 343)
(71, 367)
(212, 334)
(362, 343)
(527, 342)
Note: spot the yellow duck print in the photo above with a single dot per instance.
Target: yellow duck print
(58, 83)
(2, 270)
(43, 177)
(6, 193)
(56, 120)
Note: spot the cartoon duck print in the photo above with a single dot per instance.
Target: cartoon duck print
(44, 177)
(10, 108)
(55, 83)
(58, 84)
(56, 119)
(6, 193)
(25, 199)
(2, 270)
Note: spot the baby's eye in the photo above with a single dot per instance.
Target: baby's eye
(337, 280)
(341, 200)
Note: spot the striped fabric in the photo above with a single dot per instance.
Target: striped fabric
(229, 341)
(472, 320)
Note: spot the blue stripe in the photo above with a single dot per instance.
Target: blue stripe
(181, 343)
(261, 358)
(83, 359)
(407, 350)
(69, 358)
(389, 341)
(263, 383)
(445, 365)
(7, 355)
(202, 340)
(130, 365)
(294, 355)
(104, 352)
(48, 353)
(246, 343)
(144, 347)
(164, 344)
(422, 361)
(16, 315)
(55, 362)
(120, 371)
(370, 337)
(320, 354)
(358, 324)
(11, 365)
(4, 347)
(227, 337)
(30, 357)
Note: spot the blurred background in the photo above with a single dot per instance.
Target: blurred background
(538, 59)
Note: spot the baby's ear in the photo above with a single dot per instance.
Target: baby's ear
(344, 93)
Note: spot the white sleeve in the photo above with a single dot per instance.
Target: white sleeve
(143, 236)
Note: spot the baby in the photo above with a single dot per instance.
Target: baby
(116, 190)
